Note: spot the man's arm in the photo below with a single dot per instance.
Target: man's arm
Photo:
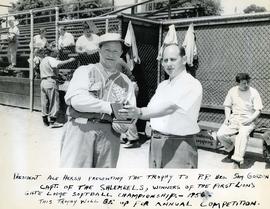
(78, 47)
(146, 113)
(79, 97)
(227, 115)
(88, 103)
(252, 118)
(61, 63)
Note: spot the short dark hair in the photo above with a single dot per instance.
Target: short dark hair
(182, 50)
(85, 26)
(41, 30)
(63, 27)
(242, 76)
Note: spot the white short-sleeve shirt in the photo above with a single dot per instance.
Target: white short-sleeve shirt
(39, 42)
(14, 30)
(184, 91)
(66, 40)
(88, 44)
(47, 65)
(243, 102)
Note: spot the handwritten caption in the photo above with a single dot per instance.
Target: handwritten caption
(199, 190)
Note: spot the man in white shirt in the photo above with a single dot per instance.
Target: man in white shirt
(243, 105)
(173, 113)
(12, 42)
(66, 46)
(49, 88)
(39, 44)
(66, 39)
(40, 41)
(87, 46)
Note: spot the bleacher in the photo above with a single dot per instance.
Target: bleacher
(23, 51)
(24, 39)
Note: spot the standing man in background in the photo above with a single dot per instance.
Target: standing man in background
(173, 112)
(12, 42)
(49, 87)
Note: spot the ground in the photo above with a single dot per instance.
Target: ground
(25, 143)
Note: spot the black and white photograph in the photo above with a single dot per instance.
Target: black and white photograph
(134, 104)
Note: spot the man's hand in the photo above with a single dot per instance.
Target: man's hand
(71, 59)
(227, 121)
(130, 111)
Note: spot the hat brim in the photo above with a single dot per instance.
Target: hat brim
(106, 41)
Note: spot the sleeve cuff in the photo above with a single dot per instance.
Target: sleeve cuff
(107, 108)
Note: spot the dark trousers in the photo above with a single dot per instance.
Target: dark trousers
(49, 98)
(171, 151)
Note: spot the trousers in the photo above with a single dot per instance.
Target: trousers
(12, 53)
(90, 145)
(169, 151)
(235, 136)
(49, 97)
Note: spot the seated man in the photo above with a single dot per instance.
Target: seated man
(66, 46)
(87, 45)
(66, 39)
(39, 44)
(242, 107)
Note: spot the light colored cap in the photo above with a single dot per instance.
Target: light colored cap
(109, 37)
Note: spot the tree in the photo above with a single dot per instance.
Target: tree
(22, 5)
(202, 7)
(207, 7)
(253, 8)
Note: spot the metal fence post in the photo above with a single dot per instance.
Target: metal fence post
(159, 45)
(56, 25)
(31, 74)
(107, 26)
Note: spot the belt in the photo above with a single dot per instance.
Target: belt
(159, 135)
(52, 77)
(93, 117)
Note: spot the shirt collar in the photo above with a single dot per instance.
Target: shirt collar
(180, 76)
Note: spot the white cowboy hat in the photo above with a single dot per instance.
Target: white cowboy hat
(109, 37)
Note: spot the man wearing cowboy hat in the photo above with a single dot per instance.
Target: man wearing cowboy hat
(91, 138)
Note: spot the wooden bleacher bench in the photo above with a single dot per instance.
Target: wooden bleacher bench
(209, 125)
(73, 55)
(20, 69)
(209, 129)
(206, 138)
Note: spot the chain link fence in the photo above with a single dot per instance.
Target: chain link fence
(75, 28)
(225, 49)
